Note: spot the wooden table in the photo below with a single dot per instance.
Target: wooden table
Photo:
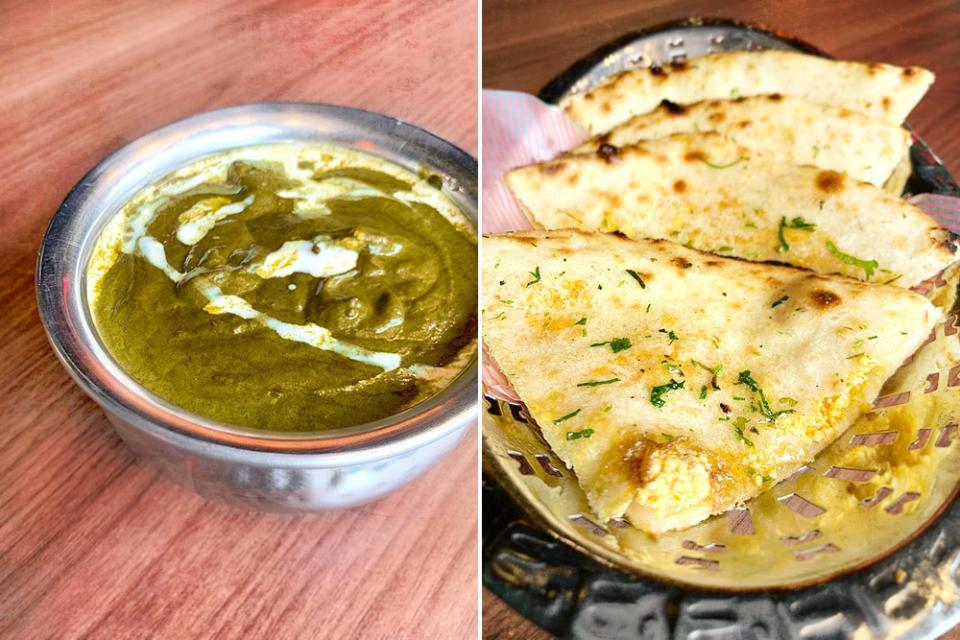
(93, 542)
(528, 42)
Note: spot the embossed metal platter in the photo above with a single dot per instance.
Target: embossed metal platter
(864, 542)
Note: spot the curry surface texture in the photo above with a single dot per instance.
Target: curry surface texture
(288, 287)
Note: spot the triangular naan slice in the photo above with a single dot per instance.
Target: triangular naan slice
(879, 90)
(705, 191)
(678, 384)
(784, 128)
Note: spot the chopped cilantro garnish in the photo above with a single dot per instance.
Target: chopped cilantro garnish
(867, 265)
(720, 166)
(892, 280)
(672, 366)
(703, 392)
(616, 345)
(656, 394)
(500, 316)
(670, 335)
(822, 202)
(768, 413)
(648, 307)
(714, 370)
(636, 276)
(667, 437)
(576, 435)
(796, 223)
(780, 302)
(724, 249)
(536, 276)
(567, 417)
(872, 338)
(739, 425)
(581, 321)
(597, 383)
(734, 92)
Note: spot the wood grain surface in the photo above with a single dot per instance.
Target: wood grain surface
(93, 542)
(528, 42)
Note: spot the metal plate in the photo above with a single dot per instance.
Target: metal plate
(909, 582)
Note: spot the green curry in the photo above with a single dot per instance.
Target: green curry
(288, 288)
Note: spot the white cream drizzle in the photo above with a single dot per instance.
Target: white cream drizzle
(310, 334)
(197, 221)
(312, 196)
(154, 253)
(321, 258)
(137, 224)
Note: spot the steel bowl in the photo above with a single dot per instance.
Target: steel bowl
(254, 468)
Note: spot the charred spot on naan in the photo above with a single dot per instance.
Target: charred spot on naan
(634, 454)
(829, 181)
(717, 117)
(551, 168)
(672, 108)
(824, 299)
(522, 239)
(950, 242)
(613, 200)
(680, 186)
(608, 153)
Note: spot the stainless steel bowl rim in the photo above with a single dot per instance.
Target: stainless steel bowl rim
(68, 241)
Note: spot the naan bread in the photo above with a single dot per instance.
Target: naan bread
(705, 191)
(678, 384)
(897, 181)
(879, 90)
(784, 128)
